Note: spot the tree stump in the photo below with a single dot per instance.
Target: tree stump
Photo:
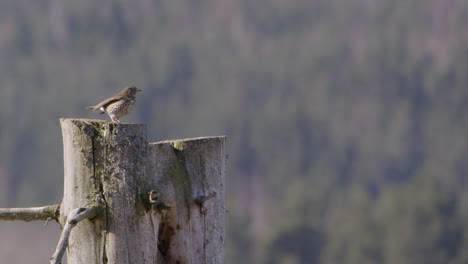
(189, 175)
(160, 202)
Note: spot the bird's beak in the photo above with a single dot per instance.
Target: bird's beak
(139, 90)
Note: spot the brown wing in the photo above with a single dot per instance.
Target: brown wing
(104, 103)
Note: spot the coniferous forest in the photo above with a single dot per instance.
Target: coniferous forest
(347, 121)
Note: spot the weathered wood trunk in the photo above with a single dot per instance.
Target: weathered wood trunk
(188, 172)
(112, 165)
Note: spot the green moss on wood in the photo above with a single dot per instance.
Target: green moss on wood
(52, 212)
(179, 145)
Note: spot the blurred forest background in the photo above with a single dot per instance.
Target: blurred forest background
(346, 120)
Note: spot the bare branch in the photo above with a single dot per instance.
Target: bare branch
(30, 213)
(74, 217)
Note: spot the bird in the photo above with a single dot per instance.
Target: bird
(118, 105)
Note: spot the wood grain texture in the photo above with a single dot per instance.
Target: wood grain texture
(113, 166)
(186, 169)
(81, 188)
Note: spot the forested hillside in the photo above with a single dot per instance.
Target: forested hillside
(346, 120)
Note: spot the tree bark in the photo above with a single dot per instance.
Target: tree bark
(152, 194)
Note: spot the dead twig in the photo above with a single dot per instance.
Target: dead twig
(74, 217)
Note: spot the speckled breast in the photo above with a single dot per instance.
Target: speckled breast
(121, 107)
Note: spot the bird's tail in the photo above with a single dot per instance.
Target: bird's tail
(94, 109)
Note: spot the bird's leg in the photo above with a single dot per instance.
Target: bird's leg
(114, 119)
